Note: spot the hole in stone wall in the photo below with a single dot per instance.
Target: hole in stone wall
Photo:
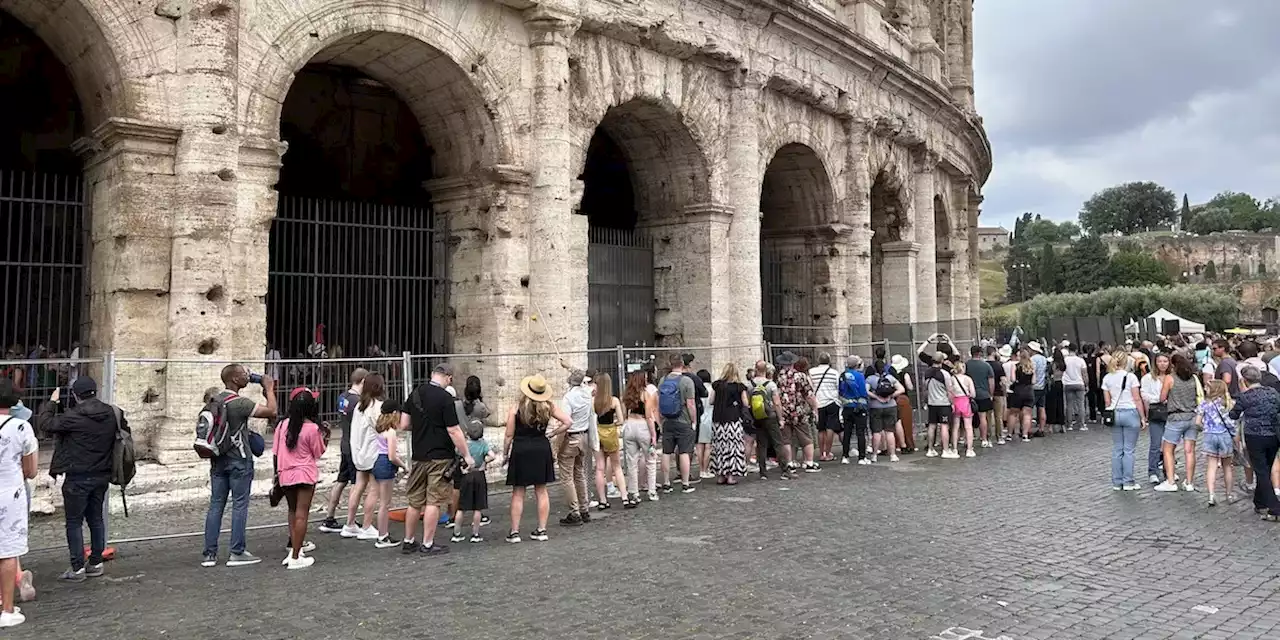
(524, 281)
(220, 10)
(150, 395)
(207, 346)
(226, 175)
(214, 294)
(219, 129)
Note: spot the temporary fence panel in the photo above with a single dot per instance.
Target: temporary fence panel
(620, 292)
(43, 262)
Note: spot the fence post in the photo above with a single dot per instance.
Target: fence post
(108, 395)
(621, 381)
(406, 365)
(767, 350)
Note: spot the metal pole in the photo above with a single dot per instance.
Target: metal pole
(621, 382)
(406, 367)
(108, 394)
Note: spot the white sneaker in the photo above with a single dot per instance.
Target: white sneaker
(863, 461)
(970, 454)
(12, 619)
(1000, 441)
(1071, 428)
(300, 562)
(307, 547)
(986, 444)
(1165, 487)
(1187, 486)
(653, 497)
(1084, 428)
(893, 458)
(612, 491)
(705, 475)
(368, 534)
(869, 452)
(875, 458)
(950, 454)
(350, 531)
(844, 461)
(931, 454)
(594, 504)
(1155, 479)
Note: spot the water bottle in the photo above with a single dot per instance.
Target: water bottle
(255, 378)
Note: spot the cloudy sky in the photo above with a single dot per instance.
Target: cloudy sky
(1079, 95)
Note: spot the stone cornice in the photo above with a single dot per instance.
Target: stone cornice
(901, 247)
(453, 188)
(265, 153)
(835, 231)
(548, 26)
(126, 134)
(709, 212)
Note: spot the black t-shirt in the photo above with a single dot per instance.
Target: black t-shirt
(346, 409)
(431, 412)
(997, 380)
(699, 392)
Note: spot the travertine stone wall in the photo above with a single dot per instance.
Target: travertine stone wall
(184, 101)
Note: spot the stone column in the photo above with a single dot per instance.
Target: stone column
(486, 214)
(129, 176)
(557, 285)
(855, 211)
(926, 163)
(975, 292)
(689, 252)
(899, 286)
(946, 285)
(738, 303)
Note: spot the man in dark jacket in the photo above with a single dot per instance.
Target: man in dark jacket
(84, 440)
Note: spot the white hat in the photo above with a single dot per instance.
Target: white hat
(1005, 352)
(898, 362)
(1065, 344)
(1035, 346)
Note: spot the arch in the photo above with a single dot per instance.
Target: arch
(74, 34)
(668, 168)
(941, 225)
(796, 190)
(458, 99)
(889, 223)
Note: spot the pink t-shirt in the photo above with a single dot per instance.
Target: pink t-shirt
(298, 465)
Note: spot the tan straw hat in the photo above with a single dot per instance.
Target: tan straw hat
(535, 388)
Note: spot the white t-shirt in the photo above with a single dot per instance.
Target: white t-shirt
(1120, 385)
(826, 384)
(1152, 387)
(1077, 372)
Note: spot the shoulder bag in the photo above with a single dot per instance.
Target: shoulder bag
(1109, 414)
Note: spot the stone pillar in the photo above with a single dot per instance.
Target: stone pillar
(129, 176)
(946, 284)
(855, 211)
(899, 286)
(738, 302)
(689, 252)
(926, 163)
(975, 292)
(557, 288)
(487, 217)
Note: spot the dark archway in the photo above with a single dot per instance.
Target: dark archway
(796, 199)
(944, 257)
(356, 246)
(42, 201)
(887, 226)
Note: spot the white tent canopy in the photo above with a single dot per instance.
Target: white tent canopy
(1186, 326)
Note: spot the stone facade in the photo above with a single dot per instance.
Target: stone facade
(1255, 253)
(992, 238)
(863, 108)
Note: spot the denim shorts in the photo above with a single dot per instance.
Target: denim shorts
(1219, 445)
(1175, 432)
(383, 469)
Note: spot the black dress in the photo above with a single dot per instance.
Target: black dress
(531, 460)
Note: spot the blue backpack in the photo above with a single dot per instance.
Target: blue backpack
(669, 401)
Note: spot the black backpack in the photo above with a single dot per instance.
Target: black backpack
(885, 384)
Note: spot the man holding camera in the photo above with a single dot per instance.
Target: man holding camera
(84, 435)
(232, 472)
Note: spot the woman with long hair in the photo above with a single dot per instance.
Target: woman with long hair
(384, 472)
(1055, 410)
(298, 443)
(1022, 401)
(728, 452)
(962, 406)
(1123, 397)
(527, 447)
(1180, 393)
(1152, 386)
(364, 453)
(608, 418)
(639, 438)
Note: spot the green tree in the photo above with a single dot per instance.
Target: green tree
(1235, 273)
(1039, 231)
(1129, 208)
(1185, 217)
(1210, 272)
(1215, 307)
(1020, 274)
(1048, 270)
(1132, 269)
(1083, 267)
(1209, 220)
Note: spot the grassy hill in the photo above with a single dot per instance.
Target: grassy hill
(991, 282)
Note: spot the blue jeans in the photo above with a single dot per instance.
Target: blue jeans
(1155, 455)
(82, 499)
(233, 476)
(1124, 438)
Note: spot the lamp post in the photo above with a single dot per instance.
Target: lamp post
(1023, 268)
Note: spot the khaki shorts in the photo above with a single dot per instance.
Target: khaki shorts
(799, 431)
(427, 486)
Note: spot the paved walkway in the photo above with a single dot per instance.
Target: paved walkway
(1026, 541)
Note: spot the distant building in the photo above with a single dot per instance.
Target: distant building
(992, 238)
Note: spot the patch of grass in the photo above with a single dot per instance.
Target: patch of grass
(991, 281)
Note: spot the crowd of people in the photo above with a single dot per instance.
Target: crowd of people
(676, 426)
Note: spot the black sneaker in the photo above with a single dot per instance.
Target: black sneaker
(458, 537)
(475, 539)
(484, 521)
(331, 525)
(571, 520)
(666, 488)
(408, 546)
(786, 475)
(433, 550)
(631, 503)
(585, 514)
(603, 506)
(540, 535)
(513, 537)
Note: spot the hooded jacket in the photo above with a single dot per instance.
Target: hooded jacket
(84, 436)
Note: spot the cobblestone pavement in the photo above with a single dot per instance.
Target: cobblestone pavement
(1026, 541)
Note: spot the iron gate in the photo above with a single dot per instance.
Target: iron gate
(43, 262)
(373, 275)
(620, 293)
(786, 288)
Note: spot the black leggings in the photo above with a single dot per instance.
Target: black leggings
(854, 422)
(1262, 452)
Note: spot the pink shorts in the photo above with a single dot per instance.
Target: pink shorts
(960, 405)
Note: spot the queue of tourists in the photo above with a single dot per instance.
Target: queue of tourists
(658, 430)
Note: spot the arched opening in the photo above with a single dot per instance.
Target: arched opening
(796, 199)
(641, 171)
(944, 256)
(42, 313)
(356, 248)
(887, 226)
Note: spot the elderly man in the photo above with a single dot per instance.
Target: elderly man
(571, 461)
(1259, 405)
